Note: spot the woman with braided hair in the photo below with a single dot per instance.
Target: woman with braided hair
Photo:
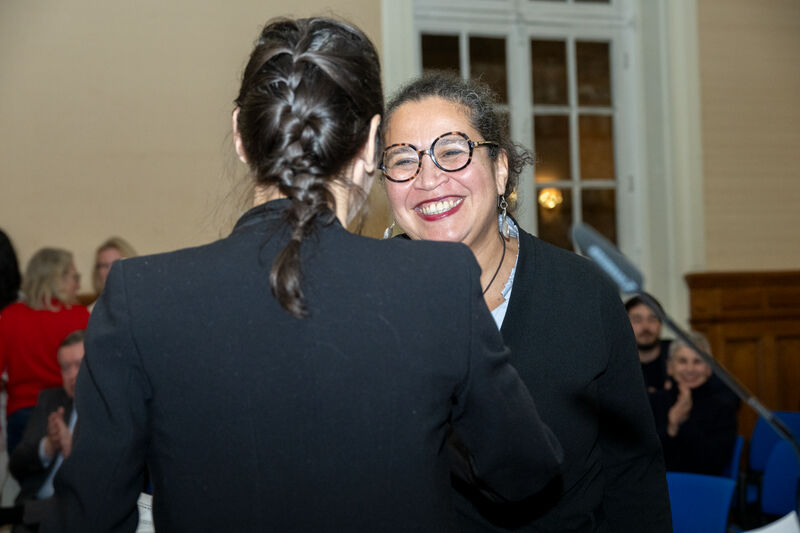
(280, 379)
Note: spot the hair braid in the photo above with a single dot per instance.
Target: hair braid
(307, 96)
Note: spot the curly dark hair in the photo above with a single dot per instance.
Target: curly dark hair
(308, 94)
(481, 105)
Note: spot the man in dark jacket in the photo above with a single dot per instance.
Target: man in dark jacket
(48, 436)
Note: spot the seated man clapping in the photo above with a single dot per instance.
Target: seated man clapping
(48, 437)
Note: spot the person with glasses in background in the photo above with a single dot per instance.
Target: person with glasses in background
(112, 249)
(31, 331)
(280, 379)
(653, 350)
(450, 169)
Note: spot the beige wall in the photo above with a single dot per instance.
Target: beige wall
(115, 118)
(750, 97)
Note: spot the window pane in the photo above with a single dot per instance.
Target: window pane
(551, 142)
(600, 211)
(440, 52)
(596, 134)
(594, 73)
(555, 223)
(487, 61)
(549, 72)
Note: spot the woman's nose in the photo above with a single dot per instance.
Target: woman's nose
(430, 176)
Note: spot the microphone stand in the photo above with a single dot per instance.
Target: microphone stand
(617, 267)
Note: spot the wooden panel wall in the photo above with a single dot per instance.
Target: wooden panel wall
(752, 320)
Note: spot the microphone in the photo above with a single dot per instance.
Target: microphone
(614, 264)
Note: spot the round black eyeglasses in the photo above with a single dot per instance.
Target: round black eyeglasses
(451, 151)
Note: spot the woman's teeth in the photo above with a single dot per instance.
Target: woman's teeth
(434, 208)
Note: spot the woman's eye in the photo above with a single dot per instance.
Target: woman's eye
(404, 163)
(401, 159)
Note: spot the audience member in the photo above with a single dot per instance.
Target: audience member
(696, 417)
(48, 436)
(652, 349)
(450, 169)
(108, 252)
(9, 272)
(32, 330)
(280, 378)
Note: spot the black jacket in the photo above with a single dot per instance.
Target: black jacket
(24, 463)
(572, 344)
(252, 420)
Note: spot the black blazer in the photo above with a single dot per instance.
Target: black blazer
(251, 420)
(572, 344)
(24, 463)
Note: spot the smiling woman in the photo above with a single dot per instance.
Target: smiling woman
(696, 416)
(570, 338)
(453, 194)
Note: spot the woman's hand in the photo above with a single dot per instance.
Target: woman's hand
(679, 413)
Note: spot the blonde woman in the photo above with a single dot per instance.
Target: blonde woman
(31, 331)
(108, 252)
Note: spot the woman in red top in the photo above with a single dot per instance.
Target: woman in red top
(31, 331)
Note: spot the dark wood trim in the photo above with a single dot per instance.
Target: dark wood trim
(752, 320)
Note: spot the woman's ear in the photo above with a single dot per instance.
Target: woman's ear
(501, 172)
(364, 166)
(237, 138)
(372, 144)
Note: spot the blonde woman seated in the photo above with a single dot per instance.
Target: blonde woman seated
(32, 330)
(696, 417)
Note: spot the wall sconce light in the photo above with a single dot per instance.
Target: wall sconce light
(550, 198)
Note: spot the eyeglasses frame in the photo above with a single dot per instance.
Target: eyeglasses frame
(472, 145)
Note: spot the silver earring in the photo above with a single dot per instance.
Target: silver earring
(387, 234)
(506, 230)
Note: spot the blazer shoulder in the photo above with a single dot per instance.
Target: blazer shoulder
(174, 256)
(434, 260)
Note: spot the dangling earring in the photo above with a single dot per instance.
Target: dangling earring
(387, 234)
(506, 231)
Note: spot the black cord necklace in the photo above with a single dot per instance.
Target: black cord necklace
(498, 266)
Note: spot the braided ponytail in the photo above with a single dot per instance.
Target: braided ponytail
(308, 94)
